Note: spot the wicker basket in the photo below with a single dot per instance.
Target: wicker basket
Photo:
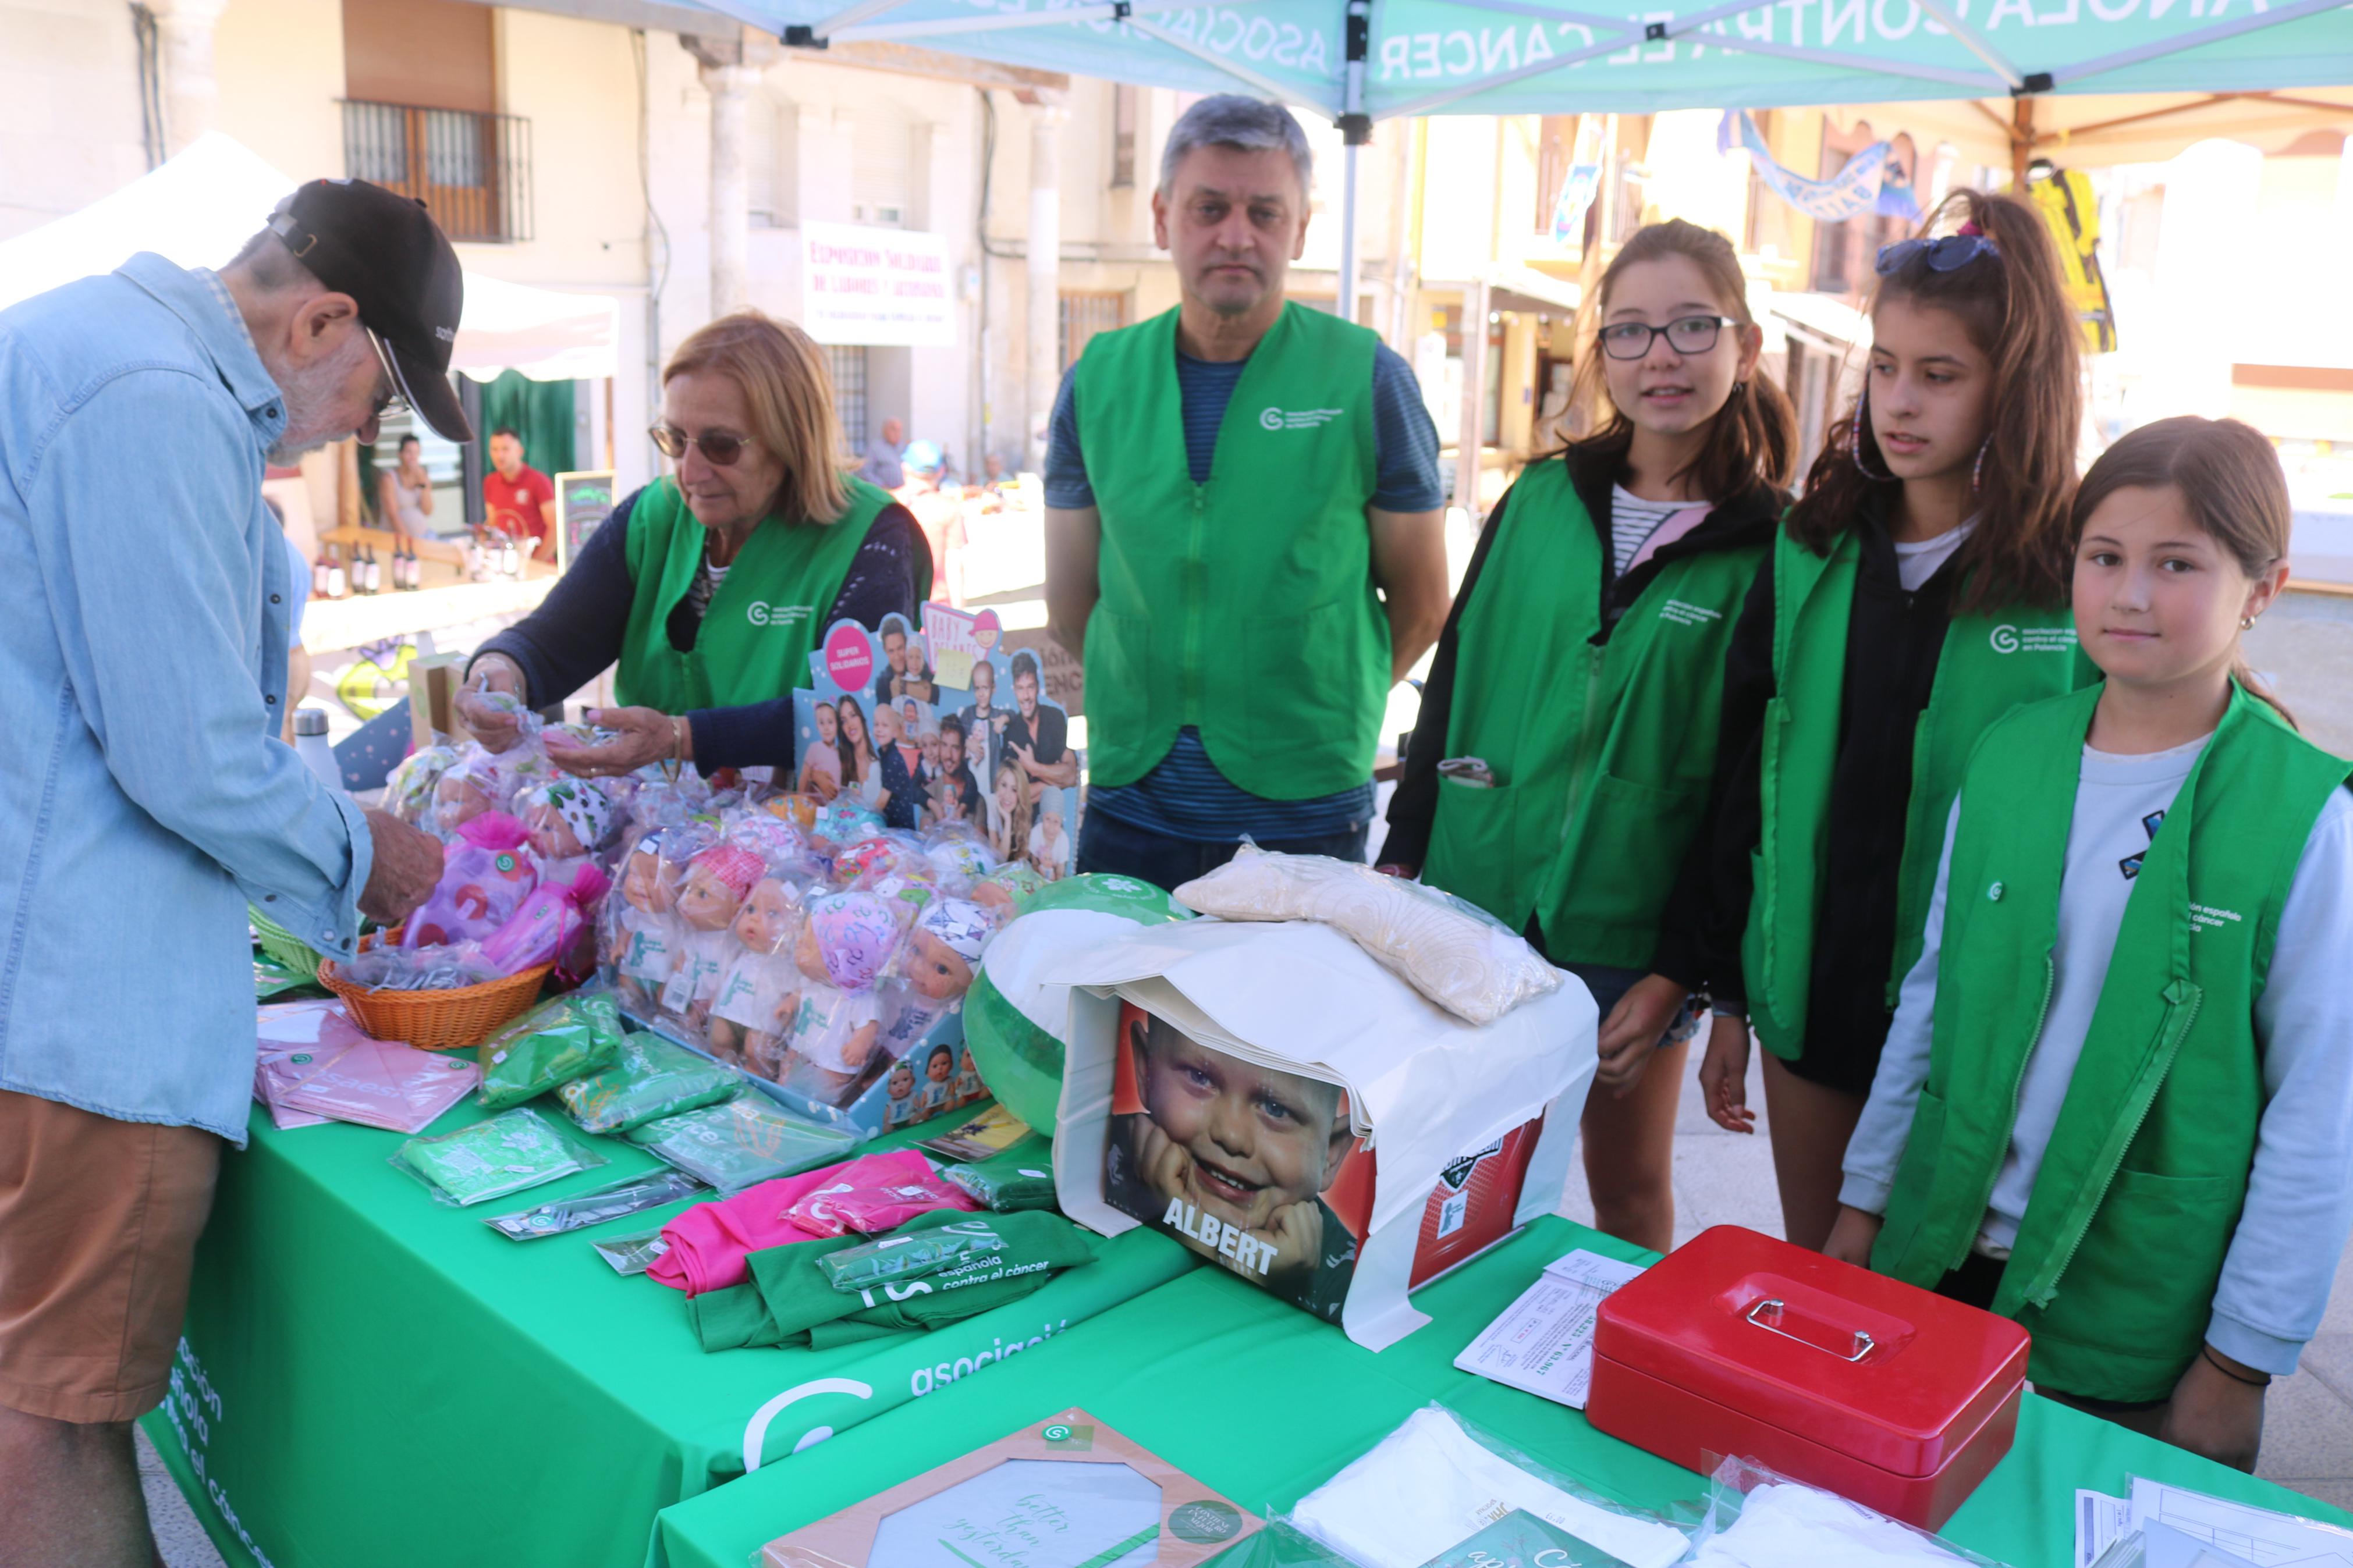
(436, 1020)
(283, 945)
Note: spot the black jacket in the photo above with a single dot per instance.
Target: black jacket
(1894, 641)
(1746, 520)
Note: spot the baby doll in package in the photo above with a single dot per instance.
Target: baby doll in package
(570, 820)
(843, 947)
(934, 971)
(761, 985)
(642, 933)
(717, 882)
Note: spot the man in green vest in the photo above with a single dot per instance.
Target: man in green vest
(1243, 529)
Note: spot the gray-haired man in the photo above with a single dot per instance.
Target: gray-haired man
(1242, 527)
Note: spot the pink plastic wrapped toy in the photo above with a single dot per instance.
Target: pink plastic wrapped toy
(483, 881)
(546, 924)
(847, 939)
(876, 1193)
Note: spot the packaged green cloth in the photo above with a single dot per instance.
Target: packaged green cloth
(510, 1153)
(1521, 1539)
(556, 1042)
(1022, 1178)
(654, 1078)
(631, 1254)
(921, 1311)
(908, 1256)
(742, 1142)
(789, 1295)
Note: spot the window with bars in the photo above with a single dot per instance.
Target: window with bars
(471, 170)
(848, 362)
(1123, 136)
(1085, 313)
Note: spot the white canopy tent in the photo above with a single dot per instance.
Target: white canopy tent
(197, 208)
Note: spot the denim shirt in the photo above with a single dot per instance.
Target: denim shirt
(144, 628)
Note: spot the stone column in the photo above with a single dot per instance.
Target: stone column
(731, 87)
(191, 90)
(1047, 117)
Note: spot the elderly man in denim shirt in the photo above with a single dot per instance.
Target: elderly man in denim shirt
(146, 797)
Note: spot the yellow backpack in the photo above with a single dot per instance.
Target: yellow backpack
(2064, 198)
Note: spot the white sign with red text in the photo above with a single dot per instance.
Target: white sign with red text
(880, 287)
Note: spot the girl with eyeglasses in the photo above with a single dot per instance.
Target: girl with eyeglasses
(1562, 759)
(1916, 594)
(708, 589)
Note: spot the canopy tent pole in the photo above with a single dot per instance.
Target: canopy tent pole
(2009, 73)
(2021, 141)
(2199, 39)
(1110, 11)
(1356, 129)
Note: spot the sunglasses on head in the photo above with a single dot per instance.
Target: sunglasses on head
(1949, 254)
(718, 447)
(389, 397)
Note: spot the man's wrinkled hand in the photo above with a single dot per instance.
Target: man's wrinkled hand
(405, 869)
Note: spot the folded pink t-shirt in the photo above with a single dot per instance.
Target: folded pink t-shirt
(708, 1242)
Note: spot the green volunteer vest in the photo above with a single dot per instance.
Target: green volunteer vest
(1601, 751)
(1989, 664)
(2132, 1213)
(1243, 606)
(762, 624)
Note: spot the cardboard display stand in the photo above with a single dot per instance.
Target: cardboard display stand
(1065, 1492)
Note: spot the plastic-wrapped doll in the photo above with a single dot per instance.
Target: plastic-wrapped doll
(717, 882)
(842, 822)
(642, 933)
(899, 1108)
(408, 793)
(876, 857)
(471, 785)
(936, 966)
(761, 983)
(545, 923)
(484, 879)
(569, 821)
(1005, 888)
(843, 946)
(959, 856)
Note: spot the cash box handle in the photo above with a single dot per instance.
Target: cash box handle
(1766, 1315)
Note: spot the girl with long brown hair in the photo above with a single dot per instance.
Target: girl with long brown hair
(2105, 1110)
(1918, 593)
(1563, 755)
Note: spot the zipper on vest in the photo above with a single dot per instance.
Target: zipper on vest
(1194, 609)
(2048, 1286)
(1580, 777)
(2018, 1092)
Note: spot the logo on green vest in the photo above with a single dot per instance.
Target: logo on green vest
(761, 615)
(1688, 615)
(1296, 418)
(2007, 638)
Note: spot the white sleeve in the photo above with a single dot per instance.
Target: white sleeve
(2283, 1254)
(1876, 1149)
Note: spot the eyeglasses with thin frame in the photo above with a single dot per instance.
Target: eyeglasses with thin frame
(719, 448)
(1685, 335)
(390, 400)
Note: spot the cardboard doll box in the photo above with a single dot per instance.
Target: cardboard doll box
(1289, 1109)
(1064, 1492)
(1741, 1343)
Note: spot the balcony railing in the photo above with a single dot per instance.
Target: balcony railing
(471, 170)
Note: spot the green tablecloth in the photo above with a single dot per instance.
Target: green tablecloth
(1265, 1403)
(370, 1378)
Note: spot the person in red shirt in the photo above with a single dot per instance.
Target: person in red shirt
(518, 501)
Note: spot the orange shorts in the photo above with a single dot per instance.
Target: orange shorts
(99, 1221)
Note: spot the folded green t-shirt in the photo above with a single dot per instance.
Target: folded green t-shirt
(1011, 1180)
(654, 1078)
(789, 1295)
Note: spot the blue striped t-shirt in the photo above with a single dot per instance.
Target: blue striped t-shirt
(1185, 796)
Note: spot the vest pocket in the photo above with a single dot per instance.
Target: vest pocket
(2124, 1289)
(1630, 847)
(1471, 848)
(1118, 661)
(1302, 688)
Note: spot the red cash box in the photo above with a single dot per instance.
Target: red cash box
(1735, 1344)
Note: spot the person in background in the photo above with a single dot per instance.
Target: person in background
(710, 586)
(1244, 592)
(880, 467)
(405, 496)
(1628, 555)
(137, 411)
(940, 510)
(517, 501)
(2109, 1113)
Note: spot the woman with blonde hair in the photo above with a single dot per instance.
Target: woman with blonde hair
(708, 588)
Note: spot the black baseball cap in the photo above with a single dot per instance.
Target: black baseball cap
(385, 251)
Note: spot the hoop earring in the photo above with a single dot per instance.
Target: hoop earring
(1862, 429)
(1977, 472)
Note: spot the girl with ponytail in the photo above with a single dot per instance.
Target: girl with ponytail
(1562, 759)
(2110, 1112)
(1917, 593)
